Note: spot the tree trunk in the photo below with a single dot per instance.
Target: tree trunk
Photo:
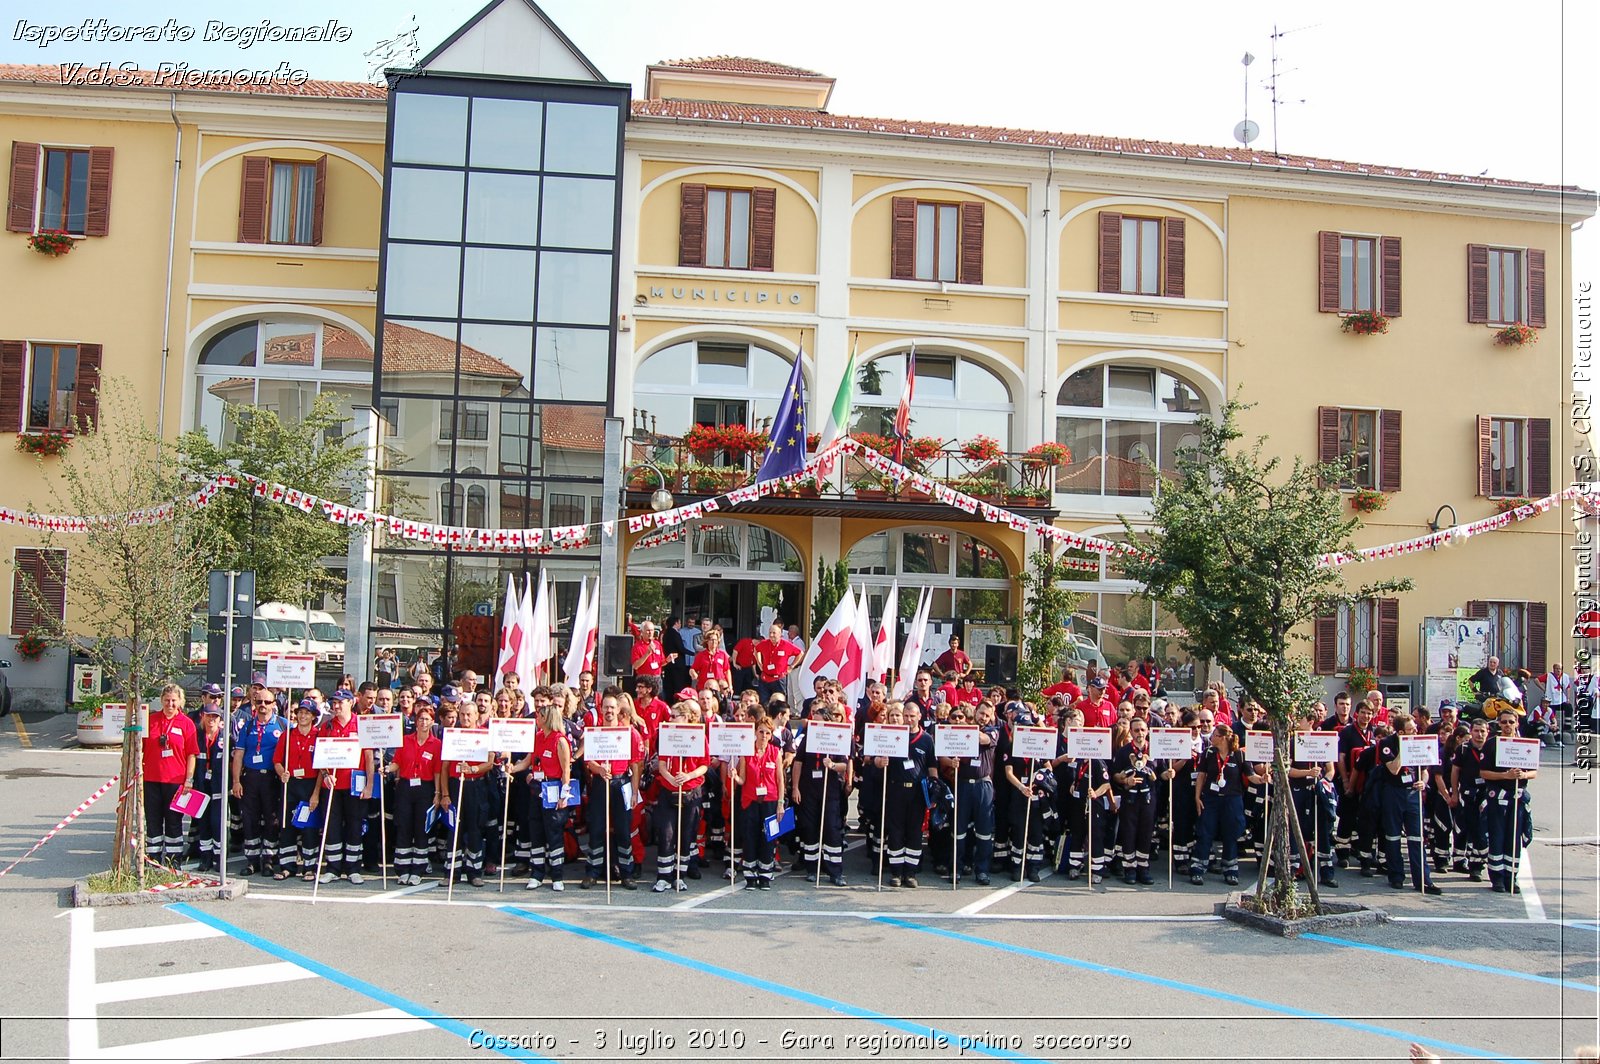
(127, 856)
(1308, 860)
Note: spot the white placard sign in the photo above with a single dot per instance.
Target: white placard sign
(1258, 746)
(291, 670)
(381, 731)
(112, 720)
(1419, 751)
(1039, 742)
(732, 740)
(886, 740)
(465, 744)
(1318, 746)
(1089, 742)
(1399, 705)
(607, 744)
(829, 737)
(1171, 744)
(1515, 753)
(515, 734)
(335, 752)
(681, 740)
(955, 740)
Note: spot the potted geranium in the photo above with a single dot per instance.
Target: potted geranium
(31, 646)
(1048, 454)
(869, 487)
(873, 442)
(1365, 323)
(1502, 506)
(1367, 501)
(1516, 335)
(923, 449)
(52, 242)
(1027, 495)
(982, 449)
(1362, 680)
(48, 442)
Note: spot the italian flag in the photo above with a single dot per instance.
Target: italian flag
(838, 423)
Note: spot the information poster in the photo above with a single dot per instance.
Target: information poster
(1089, 742)
(681, 740)
(336, 752)
(955, 740)
(1453, 648)
(465, 744)
(886, 740)
(732, 740)
(1171, 744)
(380, 731)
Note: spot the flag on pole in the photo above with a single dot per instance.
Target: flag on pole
(883, 649)
(578, 644)
(838, 423)
(527, 659)
(786, 455)
(911, 656)
(837, 653)
(512, 630)
(902, 416)
(592, 627)
(863, 633)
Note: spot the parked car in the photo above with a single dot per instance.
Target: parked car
(5, 689)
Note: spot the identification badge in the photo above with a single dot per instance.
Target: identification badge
(427, 755)
(977, 762)
(167, 752)
(413, 783)
(909, 765)
(761, 792)
(299, 773)
(1217, 786)
(816, 773)
(255, 759)
(538, 774)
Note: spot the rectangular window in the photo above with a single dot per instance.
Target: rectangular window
(1358, 441)
(471, 421)
(1141, 256)
(938, 236)
(38, 588)
(728, 228)
(64, 204)
(389, 411)
(1358, 271)
(567, 509)
(1356, 626)
(1508, 451)
(291, 206)
(1508, 631)
(52, 384)
(1505, 286)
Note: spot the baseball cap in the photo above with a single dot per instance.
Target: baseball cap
(1448, 703)
(213, 690)
(259, 678)
(308, 705)
(1098, 681)
(688, 694)
(343, 694)
(211, 710)
(237, 692)
(450, 694)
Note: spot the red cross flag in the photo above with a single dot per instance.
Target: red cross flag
(841, 651)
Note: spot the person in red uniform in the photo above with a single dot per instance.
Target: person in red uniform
(968, 694)
(679, 801)
(611, 841)
(954, 660)
(1098, 711)
(542, 835)
(415, 768)
(774, 657)
(744, 663)
(712, 663)
(648, 658)
(170, 745)
(344, 809)
(297, 847)
(649, 710)
(467, 788)
(757, 778)
(1068, 686)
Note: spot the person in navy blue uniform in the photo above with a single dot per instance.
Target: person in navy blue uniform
(821, 822)
(1505, 791)
(210, 778)
(1469, 791)
(1353, 833)
(974, 827)
(1219, 799)
(255, 785)
(907, 804)
(1311, 790)
(1134, 775)
(1401, 811)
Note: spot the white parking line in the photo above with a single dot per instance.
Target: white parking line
(997, 896)
(195, 982)
(403, 892)
(83, 1026)
(150, 936)
(1530, 890)
(274, 1038)
(700, 899)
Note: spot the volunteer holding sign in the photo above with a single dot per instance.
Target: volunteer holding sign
(170, 745)
(254, 784)
(465, 750)
(415, 769)
(549, 765)
(344, 808)
(292, 763)
(759, 788)
(1311, 789)
(1509, 762)
(1219, 798)
(614, 779)
(1400, 804)
(681, 766)
(1135, 776)
(820, 780)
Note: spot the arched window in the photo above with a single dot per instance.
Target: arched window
(956, 398)
(970, 579)
(1120, 421)
(280, 365)
(707, 382)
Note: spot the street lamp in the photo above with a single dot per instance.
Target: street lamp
(660, 499)
(1434, 525)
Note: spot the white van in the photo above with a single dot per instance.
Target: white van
(290, 630)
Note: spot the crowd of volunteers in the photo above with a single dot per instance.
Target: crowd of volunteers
(547, 815)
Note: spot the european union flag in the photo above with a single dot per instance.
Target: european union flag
(786, 455)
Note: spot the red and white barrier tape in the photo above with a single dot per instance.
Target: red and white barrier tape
(75, 814)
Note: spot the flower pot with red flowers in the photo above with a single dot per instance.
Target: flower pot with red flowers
(1028, 497)
(1516, 335)
(1503, 506)
(52, 242)
(870, 487)
(49, 443)
(804, 488)
(921, 450)
(1362, 680)
(982, 450)
(1365, 323)
(1048, 454)
(1367, 501)
(873, 442)
(31, 647)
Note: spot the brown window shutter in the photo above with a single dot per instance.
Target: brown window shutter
(1485, 439)
(1478, 611)
(1324, 641)
(45, 600)
(1328, 272)
(86, 390)
(253, 190)
(97, 220)
(1477, 282)
(903, 239)
(1538, 457)
(1536, 316)
(13, 364)
(763, 227)
(318, 198)
(1388, 637)
(24, 187)
(691, 224)
(24, 567)
(1389, 258)
(1172, 230)
(971, 268)
(1327, 434)
(1538, 653)
(1110, 251)
(52, 583)
(1388, 450)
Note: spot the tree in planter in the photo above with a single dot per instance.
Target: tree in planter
(1047, 608)
(829, 589)
(1233, 555)
(283, 545)
(135, 582)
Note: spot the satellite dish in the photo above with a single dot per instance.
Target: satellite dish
(1246, 131)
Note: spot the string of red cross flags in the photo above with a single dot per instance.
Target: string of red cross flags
(574, 537)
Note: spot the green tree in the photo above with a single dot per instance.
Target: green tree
(1047, 607)
(1234, 556)
(134, 582)
(825, 595)
(283, 545)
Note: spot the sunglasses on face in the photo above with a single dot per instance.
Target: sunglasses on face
(266, 702)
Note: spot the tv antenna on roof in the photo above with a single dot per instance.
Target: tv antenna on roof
(1247, 130)
(1272, 82)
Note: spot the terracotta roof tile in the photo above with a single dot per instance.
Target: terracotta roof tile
(738, 64)
(573, 428)
(54, 74)
(743, 114)
(409, 350)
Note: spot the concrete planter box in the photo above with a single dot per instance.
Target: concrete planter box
(1337, 915)
(82, 898)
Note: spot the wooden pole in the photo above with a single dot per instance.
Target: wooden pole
(322, 847)
(822, 819)
(883, 815)
(955, 828)
(505, 818)
(452, 868)
(1027, 811)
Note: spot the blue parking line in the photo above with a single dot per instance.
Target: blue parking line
(476, 1037)
(1450, 962)
(1203, 991)
(792, 993)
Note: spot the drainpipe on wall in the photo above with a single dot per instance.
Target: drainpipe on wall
(172, 243)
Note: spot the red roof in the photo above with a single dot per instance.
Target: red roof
(738, 64)
(60, 74)
(793, 118)
(408, 350)
(573, 428)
